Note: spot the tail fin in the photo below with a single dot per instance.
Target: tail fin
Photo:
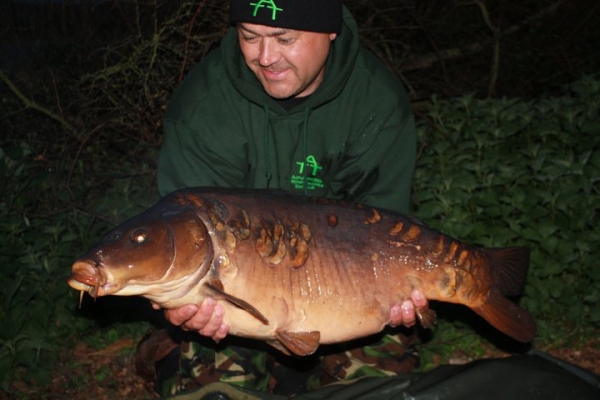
(509, 266)
(507, 317)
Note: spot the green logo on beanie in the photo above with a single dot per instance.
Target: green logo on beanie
(268, 4)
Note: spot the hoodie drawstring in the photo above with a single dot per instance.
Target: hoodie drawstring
(268, 174)
(305, 148)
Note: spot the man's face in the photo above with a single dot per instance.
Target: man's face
(287, 62)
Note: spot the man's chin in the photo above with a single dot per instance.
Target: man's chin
(280, 93)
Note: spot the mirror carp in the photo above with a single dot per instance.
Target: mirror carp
(297, 271)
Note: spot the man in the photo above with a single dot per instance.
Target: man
(289, 101)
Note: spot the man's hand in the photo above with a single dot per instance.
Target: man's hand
(207, 317)
(406, 313)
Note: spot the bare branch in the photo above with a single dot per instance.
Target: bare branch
(430, 59)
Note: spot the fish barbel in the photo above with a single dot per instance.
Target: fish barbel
(296, 271)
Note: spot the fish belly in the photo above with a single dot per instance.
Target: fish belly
(341, 298)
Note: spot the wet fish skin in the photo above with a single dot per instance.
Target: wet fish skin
(298, 271)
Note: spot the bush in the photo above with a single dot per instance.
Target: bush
(44, 228)
(508, 172)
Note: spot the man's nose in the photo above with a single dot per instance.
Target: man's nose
(269, 53)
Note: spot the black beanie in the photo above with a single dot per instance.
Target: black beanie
(303, 15)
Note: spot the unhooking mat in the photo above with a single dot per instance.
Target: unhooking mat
(534, 376)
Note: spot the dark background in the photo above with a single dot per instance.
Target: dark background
(522, 48)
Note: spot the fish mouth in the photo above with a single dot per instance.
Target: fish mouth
(78, 285)
(85, 277)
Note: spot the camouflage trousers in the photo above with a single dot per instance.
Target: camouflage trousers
(257, 366)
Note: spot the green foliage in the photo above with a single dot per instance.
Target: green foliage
(508, 172)
(451, 339)
(77, 156)
(39, 242)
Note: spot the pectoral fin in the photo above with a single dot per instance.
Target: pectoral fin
(299, 343)
(216, 290)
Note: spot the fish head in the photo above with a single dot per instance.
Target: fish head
(156, 252)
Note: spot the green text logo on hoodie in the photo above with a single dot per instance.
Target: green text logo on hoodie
(270, 4)
(307, 174)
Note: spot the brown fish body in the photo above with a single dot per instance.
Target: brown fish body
(296, 271)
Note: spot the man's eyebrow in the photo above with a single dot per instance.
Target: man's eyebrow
(279, 32)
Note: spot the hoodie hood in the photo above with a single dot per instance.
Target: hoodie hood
(338, 69)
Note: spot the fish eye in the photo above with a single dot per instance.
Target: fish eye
(139, 236)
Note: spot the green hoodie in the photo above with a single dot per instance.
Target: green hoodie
(353, 138)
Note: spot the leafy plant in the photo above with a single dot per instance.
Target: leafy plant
(39, 242)
(509, 172)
